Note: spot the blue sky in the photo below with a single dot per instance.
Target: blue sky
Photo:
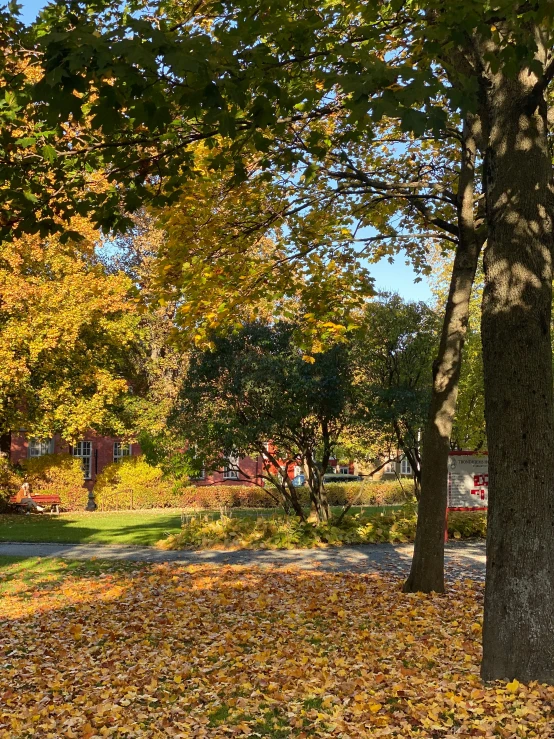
(30, 8)
(398, 277)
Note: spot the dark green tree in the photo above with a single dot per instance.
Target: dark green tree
(393, 352)
(256, 394)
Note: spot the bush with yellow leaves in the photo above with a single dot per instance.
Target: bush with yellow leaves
(133, 483)
(282, 532)
(57, 474)
(9, 482)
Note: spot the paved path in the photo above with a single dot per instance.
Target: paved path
(463, 559)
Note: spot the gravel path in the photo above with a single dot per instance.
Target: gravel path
(463, 559)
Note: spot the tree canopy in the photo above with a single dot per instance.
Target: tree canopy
(66, 333)
(255, 387)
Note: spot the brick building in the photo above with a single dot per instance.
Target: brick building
(250, 471)
(95, 452)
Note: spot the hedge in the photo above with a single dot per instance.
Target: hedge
(134, 484)
(213, 497)
(9, 482)
(60, 474)
(373, 492)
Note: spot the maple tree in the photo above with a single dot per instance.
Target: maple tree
(40, 192)
(157, 364)
(235, 70)
(66, 328)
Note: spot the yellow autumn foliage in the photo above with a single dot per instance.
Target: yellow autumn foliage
(57, 474)
(63, 322)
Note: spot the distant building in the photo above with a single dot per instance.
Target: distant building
(96, 452)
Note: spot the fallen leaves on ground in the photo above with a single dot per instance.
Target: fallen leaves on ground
(204, 651)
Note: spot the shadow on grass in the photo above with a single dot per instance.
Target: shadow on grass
(27, 576)
(89, 528)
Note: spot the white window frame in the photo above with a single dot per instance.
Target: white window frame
(200, 476)
(344, 469)
(83, 451)
(37, 448)
(390, 468)
(298, 470)
(405, 467)
(121, 450)
(229, 473)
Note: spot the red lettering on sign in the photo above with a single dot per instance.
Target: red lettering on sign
(481, 480)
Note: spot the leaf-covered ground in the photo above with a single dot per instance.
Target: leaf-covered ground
(98, 650)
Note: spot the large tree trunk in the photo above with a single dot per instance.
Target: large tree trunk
(427, 571)
(518, 634)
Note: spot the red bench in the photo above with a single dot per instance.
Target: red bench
(52, 502)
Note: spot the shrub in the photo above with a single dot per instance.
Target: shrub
(378, 492)
(57, 474)
(9, 482)
(231, 496)
(133, 483)
(281, 532)
(464, 525)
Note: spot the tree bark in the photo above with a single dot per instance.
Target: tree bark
(427, 570)
(318, 495)
(518, 631)
(285, 487)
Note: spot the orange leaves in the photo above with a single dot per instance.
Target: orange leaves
(202, 651)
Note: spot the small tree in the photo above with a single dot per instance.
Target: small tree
(393, 357)
(256, 386)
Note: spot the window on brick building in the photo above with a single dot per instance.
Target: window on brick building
(83, 451)
(39, 448)
(120, 451)
(405, 467)
(231, 472)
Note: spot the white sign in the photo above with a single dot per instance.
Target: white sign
(468, 481)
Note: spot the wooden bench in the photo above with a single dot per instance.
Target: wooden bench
(52, 502)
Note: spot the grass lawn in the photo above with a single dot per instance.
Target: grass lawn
(94, 650)
(126, 527)
(26, 576)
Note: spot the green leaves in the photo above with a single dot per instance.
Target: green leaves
(49, 153)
